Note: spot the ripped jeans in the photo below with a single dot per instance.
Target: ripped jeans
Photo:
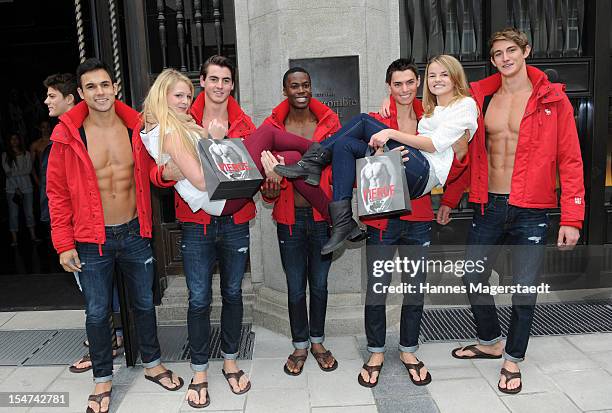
(125, 247)
(525, 229)
(228, 243)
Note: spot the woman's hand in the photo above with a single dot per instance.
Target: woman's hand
(402, 150)
(268, 162)
(380, 138)
(216, 129)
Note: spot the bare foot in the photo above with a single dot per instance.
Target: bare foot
(326, 362)
(513, 383)
(154, 371)
(494, 349)
(410, 358)
(105, 402)
(192, 395)
(376, 359)
(230, 366)
(296, 367)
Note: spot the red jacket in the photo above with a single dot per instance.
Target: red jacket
(240, 126)
(72, 186)
(547, 141)
(328, 123)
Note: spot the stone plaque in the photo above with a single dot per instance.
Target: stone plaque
(335, 82)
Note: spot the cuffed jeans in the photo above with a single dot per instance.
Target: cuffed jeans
(351, 142)
(398, 232)
(202, 246)
(300, 248)
(133, 254)
(525, 229)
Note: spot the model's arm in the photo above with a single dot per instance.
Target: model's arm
(416, 141)
(569, 162)
(60, 206)
(189, 166)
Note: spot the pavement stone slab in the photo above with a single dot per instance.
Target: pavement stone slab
(552, 402)
(339, 387)
(603, 360)
(269, 373)
(154, 402)
(46, 320)
(346, 409)
(589, 390)
(590, 343)
(280, 401)
(272, 348)
(30, 379)
(344, 348)
(463, 398)
(397, 387)
(5, 371)
(556, 354)
(451, 373)
(4, 317)
(410, 405)
(78, 392)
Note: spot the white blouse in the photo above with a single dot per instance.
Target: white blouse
(18, 174)
(444, 127)
(195, 198)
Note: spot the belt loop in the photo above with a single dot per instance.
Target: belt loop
(481, 209)
(381, 234)
(100, 249)
(290, 230)
(204, 229)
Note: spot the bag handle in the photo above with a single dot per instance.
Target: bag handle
(371, 151)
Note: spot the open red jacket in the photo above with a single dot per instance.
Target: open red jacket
(240, 126)
(547, 142)
(72, 186)
(327, 124)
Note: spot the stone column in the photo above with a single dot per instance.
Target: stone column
(269, 33)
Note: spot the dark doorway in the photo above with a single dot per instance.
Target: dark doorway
(39, 38)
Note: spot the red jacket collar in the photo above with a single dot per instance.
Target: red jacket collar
(234, 111)
(417, 106)
(76, 116)
(319, 109)
(491, 84)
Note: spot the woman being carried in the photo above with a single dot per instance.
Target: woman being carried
(170, 133)
(448, 113)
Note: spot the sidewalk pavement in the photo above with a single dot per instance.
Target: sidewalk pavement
(562, 374)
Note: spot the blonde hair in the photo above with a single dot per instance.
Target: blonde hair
(156, 110)
(457, 76)
(511, 34)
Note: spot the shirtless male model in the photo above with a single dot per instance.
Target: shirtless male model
(100, 206)
(526, 134)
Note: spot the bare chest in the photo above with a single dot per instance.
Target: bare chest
(305, 130)
(109, 148)
(407, 125)
(505, 113)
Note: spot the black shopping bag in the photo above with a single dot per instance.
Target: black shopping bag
(382, 188)
(229, 170)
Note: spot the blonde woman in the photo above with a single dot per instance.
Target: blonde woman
(448, 113)
(170, 133)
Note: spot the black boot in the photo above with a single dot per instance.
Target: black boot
(343, 226)
(309, 167)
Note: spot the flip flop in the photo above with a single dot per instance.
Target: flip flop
(86, 358)
(477, 353)
(98, 399)
(417, 367)
(320, 357)
(236, 376)
(509, 375)
(164, 374)
(197, 388)
(295, 359)
(370, 370)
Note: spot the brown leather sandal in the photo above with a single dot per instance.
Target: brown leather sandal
(198, 388)
(509, 375)
(322, 357)
(370, 370)
(168, 374)
(98, 399)
(236, 376)
(87, 357)
(417, 368)
(295, 360)
(477, 353)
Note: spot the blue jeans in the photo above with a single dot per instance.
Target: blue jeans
(228, 243)
(398, 232)
(300, 249)
(133, 254)
(526, 230)
(351, 142)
